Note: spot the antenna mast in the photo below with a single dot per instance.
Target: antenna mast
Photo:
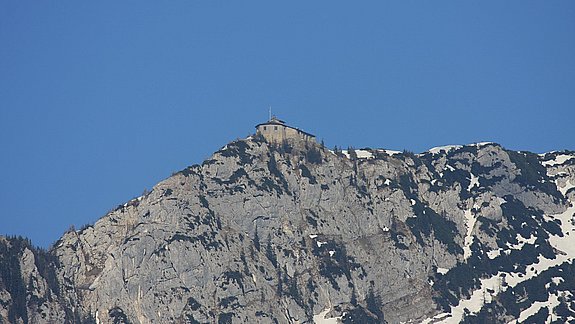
(270, 113)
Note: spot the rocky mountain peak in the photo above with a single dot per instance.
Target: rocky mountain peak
(292, 232)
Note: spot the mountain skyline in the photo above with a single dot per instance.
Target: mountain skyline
(291, 232)
(100, 101)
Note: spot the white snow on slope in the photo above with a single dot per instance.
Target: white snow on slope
(566, 243)
(483, 143)
(320, 318)
(493, 254)
(392, 152)
(344, 152)
(470, 220)
(362, 154)
(551, 302)
(474, 181)
(473, 304)
(521, 242)
(365, 154)
(559, 159)
(566, 246)
(446, 148)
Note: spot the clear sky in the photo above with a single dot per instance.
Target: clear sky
(100, 100)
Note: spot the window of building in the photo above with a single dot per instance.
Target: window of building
(275, 128)
(265, 128)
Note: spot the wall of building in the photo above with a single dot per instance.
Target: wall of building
(279, 133)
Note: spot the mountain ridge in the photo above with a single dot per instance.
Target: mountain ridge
(287, 232)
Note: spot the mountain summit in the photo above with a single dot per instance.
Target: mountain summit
(279, 229)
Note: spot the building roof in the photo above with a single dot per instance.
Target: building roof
(275, 121)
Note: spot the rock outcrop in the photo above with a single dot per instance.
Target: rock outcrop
(296, 233)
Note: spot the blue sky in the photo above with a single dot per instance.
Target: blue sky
(100, 100)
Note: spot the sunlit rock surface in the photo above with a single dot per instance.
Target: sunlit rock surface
(296, 233)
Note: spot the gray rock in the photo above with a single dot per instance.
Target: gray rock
(257, 234)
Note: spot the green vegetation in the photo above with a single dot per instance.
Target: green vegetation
(11, 251)
(118, 316)
(313, 155)
(427, 221)
(225, 318)
(306, 173)
(257, 240)
(238, 149)
(278, 175)
(533, 174)
(11, 275)
(270, 253)
(352, 154)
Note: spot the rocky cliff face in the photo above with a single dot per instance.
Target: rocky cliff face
(299, 234)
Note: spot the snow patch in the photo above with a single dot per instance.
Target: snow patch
(521, 242)
(412, 202)
(331, 253)
(442, 270)
(565, 244)
(312, 236)
(474, 181)
(436, 318)
(362, 154)
(320, 318)
(445, 148)
(551, 302)
(481, 295)
(493, 254)
(568, 184)
(387, 182)
(559, 159)
(319, 244)
(483, 144)
(392, 152)
(470, 220)
(473, 304)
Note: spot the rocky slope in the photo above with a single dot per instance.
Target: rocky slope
(296, 233)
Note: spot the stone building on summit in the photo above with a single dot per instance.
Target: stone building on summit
(276, 131)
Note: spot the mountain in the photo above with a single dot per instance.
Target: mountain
(296, 233)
